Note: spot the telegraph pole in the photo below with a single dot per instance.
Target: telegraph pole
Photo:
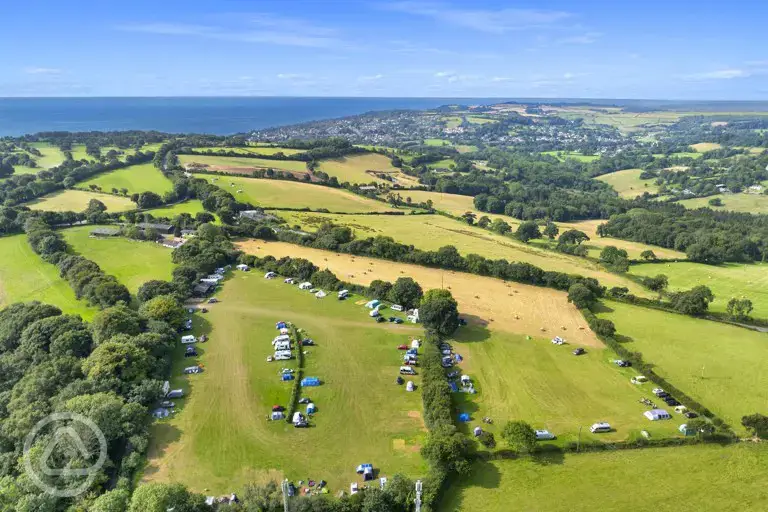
(284, 487)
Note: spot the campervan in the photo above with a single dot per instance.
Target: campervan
(397, 307)
(343, 294)
(407, 370)
(282, 337)
(188, 339)
(283, 345)
(282, 355)
(600, 427)
(175, 393)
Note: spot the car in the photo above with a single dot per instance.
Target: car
(663, 394)
(190, 352)
(446, 352)
(308, 342)
(622, 364)
(579, 351)
(453, 374)
(402, 347)
(380, 319)
(544, 435)
(690, 415)
(291, 489)
(392, 319)
(204, 310)
(191, 310)
(673, 403)
(656, 391)
(213, 300)
(398, 320)
(445, 346)
(167, 404)
(304, 400)
(462, 321)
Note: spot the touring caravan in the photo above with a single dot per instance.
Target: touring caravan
(188, 339)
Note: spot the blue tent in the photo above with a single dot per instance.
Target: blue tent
(280, 325)
(310, 381)
(453, 385)
(311, 409)
(463, 417)
(287, 376)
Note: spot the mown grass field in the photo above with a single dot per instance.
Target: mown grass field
(703, 147)
(136, 178)
(720, 365)
(483, 301)
(242, 165)
(220, 439)
(726, 281)
(52, 156)
(550, 388)
(354, 169)
(191, 206)
(705, 477)
(628, 183)
(292, 194)
(573, 155)
(748, 203)
(434, 231)
(77, 201)
(132, 262)
(24, 277)
(254, 150)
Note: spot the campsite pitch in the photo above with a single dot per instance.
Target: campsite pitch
(221, 439)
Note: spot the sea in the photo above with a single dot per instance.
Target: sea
(220, 115)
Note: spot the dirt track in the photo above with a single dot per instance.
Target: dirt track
(510, 307)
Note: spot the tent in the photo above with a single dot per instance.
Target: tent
(287, 376)
(280, 325)
(277, 415)
(464, 417)
(657, 414)
(311, 409)
(453, 385)
(372, 304)
(310, 381)
(410, 386)
(477, 431)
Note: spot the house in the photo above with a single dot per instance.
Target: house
(166, 229)
(657, 414)
(172, 243)
(306, 285)
(203, 289)
(104, 232)
(210, 280)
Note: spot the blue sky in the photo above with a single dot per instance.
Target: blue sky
(593, 49)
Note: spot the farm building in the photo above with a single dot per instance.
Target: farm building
(104, 232)
(657, 414)
(203, 289)
(161, 228)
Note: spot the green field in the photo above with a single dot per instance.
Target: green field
(354, 169)
(52, 156)
(254, 150)
(77, 201)
(748, 203)
(719, 365)
(293, 194)
(726, 281)
(680, 154)
(480, 120)
(550, 388)
(703, 147)
(437, 142)
(243, 164)
(628, 183)
(572, 155)
(136, 178)
(132, 262)
(192, 207)
(222, 440)
(434, 231)
(445, 163)
(705, 477)
(24, 277)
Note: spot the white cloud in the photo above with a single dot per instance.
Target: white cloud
(588, 38)
(370, 78)
(721, 74)
(485, 20)
(42, 71)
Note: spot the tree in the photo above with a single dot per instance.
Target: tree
(483, 221)
(528, 230)
(614, 259)
(469, 217)
(114, 360)
(113, 321)
(148, 200)
(604, 327)
(519, 436)
(757, 424)
(701, 426)
(693, 302)
(379, 289)
(648, 255)
(581, 296)
(500, 226)
(115, 500)
(406, 292)
(158, 497)
(447, 449)
(572, 236)
(439, 312)
(656, 284)
(164, 308)
(153, 288)
(324, 279)
(551, 230)
(739, 309)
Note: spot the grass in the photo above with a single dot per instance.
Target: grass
(726, 281)
(354, 169)
(283, 194)
(77, 201)
(52, 156)
(703, 147)
(719, 365)
(192, 207)
(480, 120)
(483, 301)
(597, 243)
(437, 142)
(132, 262)
(445, 163)
(435, 231)
(748, 203)
(242, 164)
(24, 277)
(680, 154)
(572, 155)
(220, 439)
(725, 478)
(628, 183)
(550, 388)
(254, 150)
(136, 178)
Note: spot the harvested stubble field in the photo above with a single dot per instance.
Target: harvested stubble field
(628, 183)
(484, 301)
(362, 169)
(242, 165)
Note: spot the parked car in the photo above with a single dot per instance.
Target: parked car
(167, 404)
(544, 435)
(307, 342)
(392, 319)
(204, 310)
(656, 391)
(579, 351)
(213, 300)
(402, 347)
(690, 415)
(190, 352)
(380, 319)
(622, 364)
(398, 320)
(445, 346)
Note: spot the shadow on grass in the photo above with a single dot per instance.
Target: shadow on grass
(621, 338)
(162, 436)
(471, 333)
(601, 307)
(548, 455)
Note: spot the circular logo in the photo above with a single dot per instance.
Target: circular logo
(59, 468)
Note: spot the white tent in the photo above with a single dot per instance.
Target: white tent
(657, 414)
